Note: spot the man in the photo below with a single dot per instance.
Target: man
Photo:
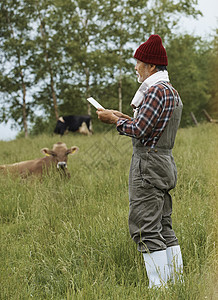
(153, 174)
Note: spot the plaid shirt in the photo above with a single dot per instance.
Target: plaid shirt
(153, 115)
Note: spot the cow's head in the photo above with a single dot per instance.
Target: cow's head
(59, 154)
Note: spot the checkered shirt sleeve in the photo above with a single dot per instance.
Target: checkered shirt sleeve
(153, 116)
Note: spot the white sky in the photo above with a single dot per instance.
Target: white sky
(204, 26)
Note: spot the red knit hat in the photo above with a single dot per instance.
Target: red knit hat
(152, 51)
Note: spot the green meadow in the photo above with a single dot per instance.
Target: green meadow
(69, 239)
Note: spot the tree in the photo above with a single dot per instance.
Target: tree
(213, 77)
(163, 16)
(78, 48)
(48, 55)
(16, 78)
(188, 70)
(119, 36)
(85, 58)
(127, 23)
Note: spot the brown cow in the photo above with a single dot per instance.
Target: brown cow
(57, 157)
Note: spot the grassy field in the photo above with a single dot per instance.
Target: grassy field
(69, 239)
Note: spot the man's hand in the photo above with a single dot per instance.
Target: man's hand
(120, 115)
(107, 116)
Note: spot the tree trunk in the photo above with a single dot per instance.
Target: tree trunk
(24, 101)
(87, 90)
(24, 113)
(120, 96)
(24, 110)
(54, 95)
(120, 90)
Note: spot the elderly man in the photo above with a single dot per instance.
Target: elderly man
(157, 113)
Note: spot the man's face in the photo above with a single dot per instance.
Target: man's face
(143, 70)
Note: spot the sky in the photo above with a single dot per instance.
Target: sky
(204, 26)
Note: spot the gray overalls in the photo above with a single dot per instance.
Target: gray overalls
(152, 175)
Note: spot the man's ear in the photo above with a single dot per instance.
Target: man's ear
(72, 150)
(152, 68)
(46, 151)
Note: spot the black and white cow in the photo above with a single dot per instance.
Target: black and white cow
(81, 124)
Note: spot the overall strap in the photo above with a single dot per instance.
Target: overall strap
(170, 88)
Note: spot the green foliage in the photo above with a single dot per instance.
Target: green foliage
(16, 78)
(56, 53)
(163, 16)
(44, 125)
(189, 72)
(69, 239)
(213, 77)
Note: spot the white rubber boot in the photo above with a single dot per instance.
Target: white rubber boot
(157, 268)
(175, 262)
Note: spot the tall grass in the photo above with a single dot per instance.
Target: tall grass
(69, 239)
